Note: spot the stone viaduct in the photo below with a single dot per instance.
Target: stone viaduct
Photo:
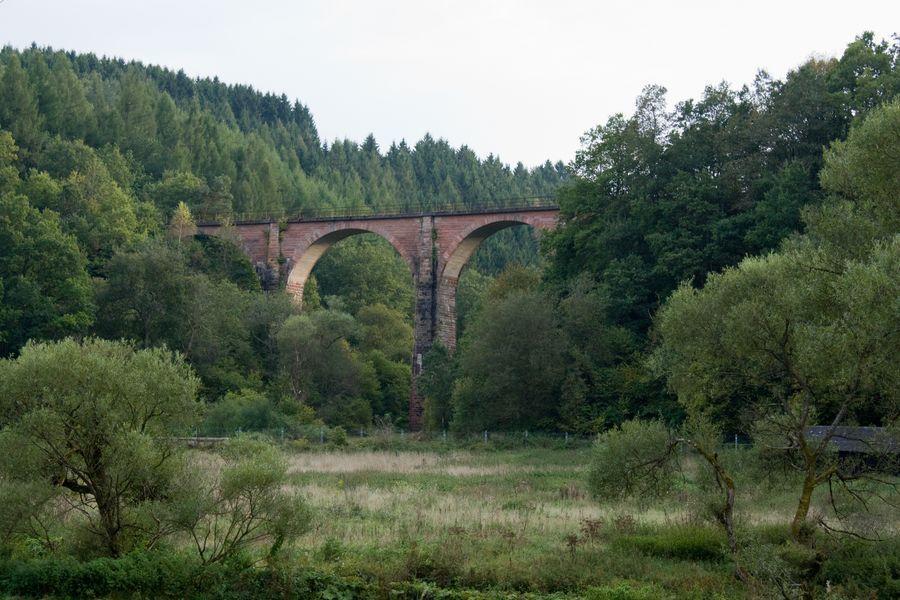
(435, 245)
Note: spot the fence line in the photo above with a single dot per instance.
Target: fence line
(324, 435)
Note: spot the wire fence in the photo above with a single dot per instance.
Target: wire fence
(378, 212)
(329, 437)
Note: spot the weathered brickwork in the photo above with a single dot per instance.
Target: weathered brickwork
(436, 248)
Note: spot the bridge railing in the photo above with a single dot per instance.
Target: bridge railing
(374, 212)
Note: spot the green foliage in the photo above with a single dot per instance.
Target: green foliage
(222, 259)
(667, 196)
(322, 369)
(511, 365)
(365, 270)
(386, 331)
(152, 296)
(863, 168)
(815, 317)
(633, 459)
(102, 216)
(97, 416)
(436, 384)
(806, 335)
(586, 371)
(44, 287)
(686, 542)
(316, 355)
(170, 575)
(470, 291)
(250, 410)
(392, 400)
(239, 503)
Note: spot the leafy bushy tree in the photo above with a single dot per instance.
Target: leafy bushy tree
(94, 419)
(44, 286)
(511, 366)
(804, 336)
(239, 502)
(152, 296)
(639, 460)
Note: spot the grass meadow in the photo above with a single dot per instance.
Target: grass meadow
(397, 519)
(521, 520)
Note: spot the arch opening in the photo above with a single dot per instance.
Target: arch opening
(307, 256)
(362, 273)
(452, 270)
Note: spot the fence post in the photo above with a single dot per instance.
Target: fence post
(321, 435)
(567, 437)
(735, 441)
(485, 436)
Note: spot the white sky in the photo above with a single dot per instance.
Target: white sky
(522, 79)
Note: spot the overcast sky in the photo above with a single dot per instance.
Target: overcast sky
(519, 78)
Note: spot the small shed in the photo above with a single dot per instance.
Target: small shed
(858, 440)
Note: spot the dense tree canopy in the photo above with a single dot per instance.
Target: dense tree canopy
(44, 286)
(665, 196)
(222, 148)
(111, 165)
(806, 335)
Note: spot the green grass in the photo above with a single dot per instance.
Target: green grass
(482, 522)
(508, 520)
(520, 520)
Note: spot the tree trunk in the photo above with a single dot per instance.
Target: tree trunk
(809, 484)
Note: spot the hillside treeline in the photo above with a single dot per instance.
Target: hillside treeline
(671, 196)
(102, 164)
(228, 148)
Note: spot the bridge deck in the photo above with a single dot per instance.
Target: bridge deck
(537, 203)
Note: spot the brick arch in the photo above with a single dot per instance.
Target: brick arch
(458, 249)
(435, 245)
(310, 245)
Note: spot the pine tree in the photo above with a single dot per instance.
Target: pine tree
(182, 223)
(18, 105)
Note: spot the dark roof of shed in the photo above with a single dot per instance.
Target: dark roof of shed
(868, 440)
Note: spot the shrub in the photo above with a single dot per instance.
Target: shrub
(631, 459)
(97, 415)
(239, 502)
(337, 437)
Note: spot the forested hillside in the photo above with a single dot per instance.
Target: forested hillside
(99, 155)
(227, 148)
(666, 195)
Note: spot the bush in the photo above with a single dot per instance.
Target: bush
(864, 569)
(337, 437)
(250, 410)
(154, 574)
(624, 591)
(170, 575)
(240, 502)
(632, 459)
